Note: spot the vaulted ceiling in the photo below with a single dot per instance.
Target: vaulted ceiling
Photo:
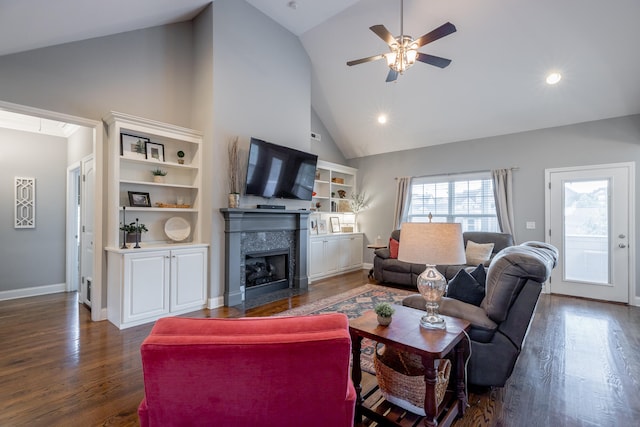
(500, 54)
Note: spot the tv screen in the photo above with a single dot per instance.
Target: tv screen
(280, 172)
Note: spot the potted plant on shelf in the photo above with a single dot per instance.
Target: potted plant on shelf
(234, 174)
(158, 175)
(180, 157)
(384, 310)
(133, 232)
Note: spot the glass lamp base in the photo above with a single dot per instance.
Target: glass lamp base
(432, 322)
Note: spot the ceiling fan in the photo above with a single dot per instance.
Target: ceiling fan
(404, 49)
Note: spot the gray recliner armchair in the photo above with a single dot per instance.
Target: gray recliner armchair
(500, 324)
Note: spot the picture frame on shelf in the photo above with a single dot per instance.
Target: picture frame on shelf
(139, 200)
(133, 146)
(335, 224)
(313, 226)
(155, 151)
(322, 226)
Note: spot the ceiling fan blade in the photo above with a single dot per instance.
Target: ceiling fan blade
(392, 76)
(433, 60)
(384, 34)
(438, 33)
(363, 60)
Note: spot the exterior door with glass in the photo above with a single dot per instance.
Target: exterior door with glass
(588, 220)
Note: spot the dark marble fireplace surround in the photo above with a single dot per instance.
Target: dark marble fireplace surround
(250, 231)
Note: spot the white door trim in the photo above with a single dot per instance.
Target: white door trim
(633, 299)
(72, 283)
(97, 313)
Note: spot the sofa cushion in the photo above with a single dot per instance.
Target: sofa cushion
(482, 327)
(383, 253)
(464, 287)
(397, 266)
(478, 253)
(394, 245)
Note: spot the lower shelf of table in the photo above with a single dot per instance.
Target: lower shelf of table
(377, 409)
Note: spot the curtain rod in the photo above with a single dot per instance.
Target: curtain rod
(513, 168)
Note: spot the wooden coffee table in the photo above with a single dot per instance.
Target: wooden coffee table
(406, 334)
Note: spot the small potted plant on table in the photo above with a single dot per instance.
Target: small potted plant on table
(384, 310)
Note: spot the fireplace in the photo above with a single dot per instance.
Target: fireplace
(266, 272)
(269, 239)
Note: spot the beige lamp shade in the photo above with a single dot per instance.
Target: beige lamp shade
(433, 243)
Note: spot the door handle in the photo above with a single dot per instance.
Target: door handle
(622, 245)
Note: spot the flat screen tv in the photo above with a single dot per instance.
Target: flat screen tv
(274, 171)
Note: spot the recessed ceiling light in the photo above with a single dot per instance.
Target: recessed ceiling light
(553, 78)
(382, 119)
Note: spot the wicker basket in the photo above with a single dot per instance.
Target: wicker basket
(400, 377)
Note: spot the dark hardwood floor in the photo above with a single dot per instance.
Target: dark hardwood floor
(580, 366)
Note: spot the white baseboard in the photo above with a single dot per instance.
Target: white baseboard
(215, 302)
(367, 266)
(636, 301)
(32, 292)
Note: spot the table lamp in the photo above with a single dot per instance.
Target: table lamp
(431, 243)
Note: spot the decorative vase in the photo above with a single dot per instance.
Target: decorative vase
(234, 200)
(384, 321)
(131, 237)
(158, 178)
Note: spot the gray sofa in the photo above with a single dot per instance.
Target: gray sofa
(390, 270)
(500, 324)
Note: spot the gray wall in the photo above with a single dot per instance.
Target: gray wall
(326, 148)
(261, 88)
(144, 73)
(80, 145)
(33, 257)
(600, 142)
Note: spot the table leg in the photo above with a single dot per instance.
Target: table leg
(430, 379)
(461, 377)
(356, 374)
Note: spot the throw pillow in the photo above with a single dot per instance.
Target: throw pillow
(478, 253)
(480, 274)
(394, 245)
(465, 288)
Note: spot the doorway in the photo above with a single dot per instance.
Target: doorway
(96, 135)
(589, 217)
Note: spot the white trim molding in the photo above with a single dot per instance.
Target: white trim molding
(215, 302)
(33, 291)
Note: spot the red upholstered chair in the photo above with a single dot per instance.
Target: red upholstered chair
(261, 371)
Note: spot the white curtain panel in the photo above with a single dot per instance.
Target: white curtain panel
(503, 194)
(403, 184)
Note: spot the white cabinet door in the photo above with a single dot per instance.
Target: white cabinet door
(316, 258)
(331, 255)
(146, 285)
(188, 278)
(344, 253)
(355, 251)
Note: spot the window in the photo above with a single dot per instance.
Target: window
(467, 199)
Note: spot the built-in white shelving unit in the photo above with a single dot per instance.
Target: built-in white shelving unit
(162, 277)
(333, 179)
